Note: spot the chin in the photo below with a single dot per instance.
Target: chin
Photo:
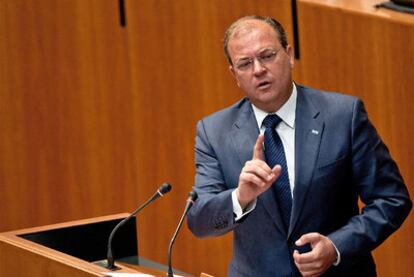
(268, 97)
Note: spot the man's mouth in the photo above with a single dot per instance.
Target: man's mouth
(263, 85)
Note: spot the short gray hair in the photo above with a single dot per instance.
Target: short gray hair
(280, 31)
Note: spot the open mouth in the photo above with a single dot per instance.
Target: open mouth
(263, 85)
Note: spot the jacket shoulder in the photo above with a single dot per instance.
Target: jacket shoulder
(227, 115)
(322, 96)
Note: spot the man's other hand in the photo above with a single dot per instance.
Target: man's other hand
(317, 261)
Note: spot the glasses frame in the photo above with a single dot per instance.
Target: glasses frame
(264, 58)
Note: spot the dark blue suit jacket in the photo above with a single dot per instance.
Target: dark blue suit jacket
(338, 157)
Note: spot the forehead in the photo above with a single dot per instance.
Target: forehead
(251, 36)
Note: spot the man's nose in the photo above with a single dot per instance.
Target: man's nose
(258, 67)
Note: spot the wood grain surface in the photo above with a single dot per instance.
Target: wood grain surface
(95, 116)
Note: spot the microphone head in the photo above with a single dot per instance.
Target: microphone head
(193, 195)
(166, 187)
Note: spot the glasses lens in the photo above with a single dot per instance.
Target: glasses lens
(244, 64)
(267, 56)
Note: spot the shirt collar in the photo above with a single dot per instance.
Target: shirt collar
(287, 112)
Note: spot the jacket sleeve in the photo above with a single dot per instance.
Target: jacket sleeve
(381, 189)
(212, 214)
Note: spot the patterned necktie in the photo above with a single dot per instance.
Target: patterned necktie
(275, 154)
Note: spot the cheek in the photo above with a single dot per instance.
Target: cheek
(282, 71)
(243, 83)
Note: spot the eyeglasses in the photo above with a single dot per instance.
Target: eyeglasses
(266, 57)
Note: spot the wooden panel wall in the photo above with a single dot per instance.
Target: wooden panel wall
(94, 116)
(349, 46)
(66, 113)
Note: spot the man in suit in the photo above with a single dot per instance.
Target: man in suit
(289, 190)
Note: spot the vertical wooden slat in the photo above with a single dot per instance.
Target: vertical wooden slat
(66, 117)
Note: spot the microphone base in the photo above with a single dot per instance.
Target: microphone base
(113, 268)
(104, 263)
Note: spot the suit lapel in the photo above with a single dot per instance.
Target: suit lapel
(309, 129)
(244, 134)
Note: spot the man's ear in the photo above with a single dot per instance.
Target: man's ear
(231, 68)
(233, 72)
(291, 53)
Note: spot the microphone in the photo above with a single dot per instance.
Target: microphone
(192, 196)
(163, 189)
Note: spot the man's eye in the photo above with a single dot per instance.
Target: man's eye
(267, 57)
(244, 64)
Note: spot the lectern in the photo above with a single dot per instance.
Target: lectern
(73, 249)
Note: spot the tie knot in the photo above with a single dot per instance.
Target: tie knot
(271, 121)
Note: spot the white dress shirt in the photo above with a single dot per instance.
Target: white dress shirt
(286, 132)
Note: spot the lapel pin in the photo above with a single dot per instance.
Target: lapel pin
(315, 132)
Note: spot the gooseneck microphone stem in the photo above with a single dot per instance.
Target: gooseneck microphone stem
(110, 257)
(170, 272)
(190, 201)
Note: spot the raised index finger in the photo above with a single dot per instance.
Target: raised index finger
(258, 148)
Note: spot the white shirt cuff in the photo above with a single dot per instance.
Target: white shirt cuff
(338, 256)
(237, 209)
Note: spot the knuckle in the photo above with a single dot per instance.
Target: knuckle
(319, 266)
(250, 178)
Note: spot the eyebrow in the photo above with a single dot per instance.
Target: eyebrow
(260, 52)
